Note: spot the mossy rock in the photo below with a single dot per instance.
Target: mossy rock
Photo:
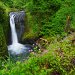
(4, 19)
(4, 26)
(3, 46)
(31, 29)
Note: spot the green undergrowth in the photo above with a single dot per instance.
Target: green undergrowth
(59, 60)
(3, 46)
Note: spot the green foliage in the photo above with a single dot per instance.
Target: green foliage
(46, 18)
(3, 46)
(3, 30)
(59, 59)
(49, 17)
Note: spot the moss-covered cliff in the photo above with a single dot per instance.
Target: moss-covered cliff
(3, 46)
(3, 30)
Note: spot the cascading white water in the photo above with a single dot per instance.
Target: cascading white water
(13, 30)
(16, 47)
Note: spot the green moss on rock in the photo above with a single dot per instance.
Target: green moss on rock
(31, 29)
(4, 26)
(3, 46)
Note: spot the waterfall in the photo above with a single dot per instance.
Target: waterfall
(15, 47)
(13, 30)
